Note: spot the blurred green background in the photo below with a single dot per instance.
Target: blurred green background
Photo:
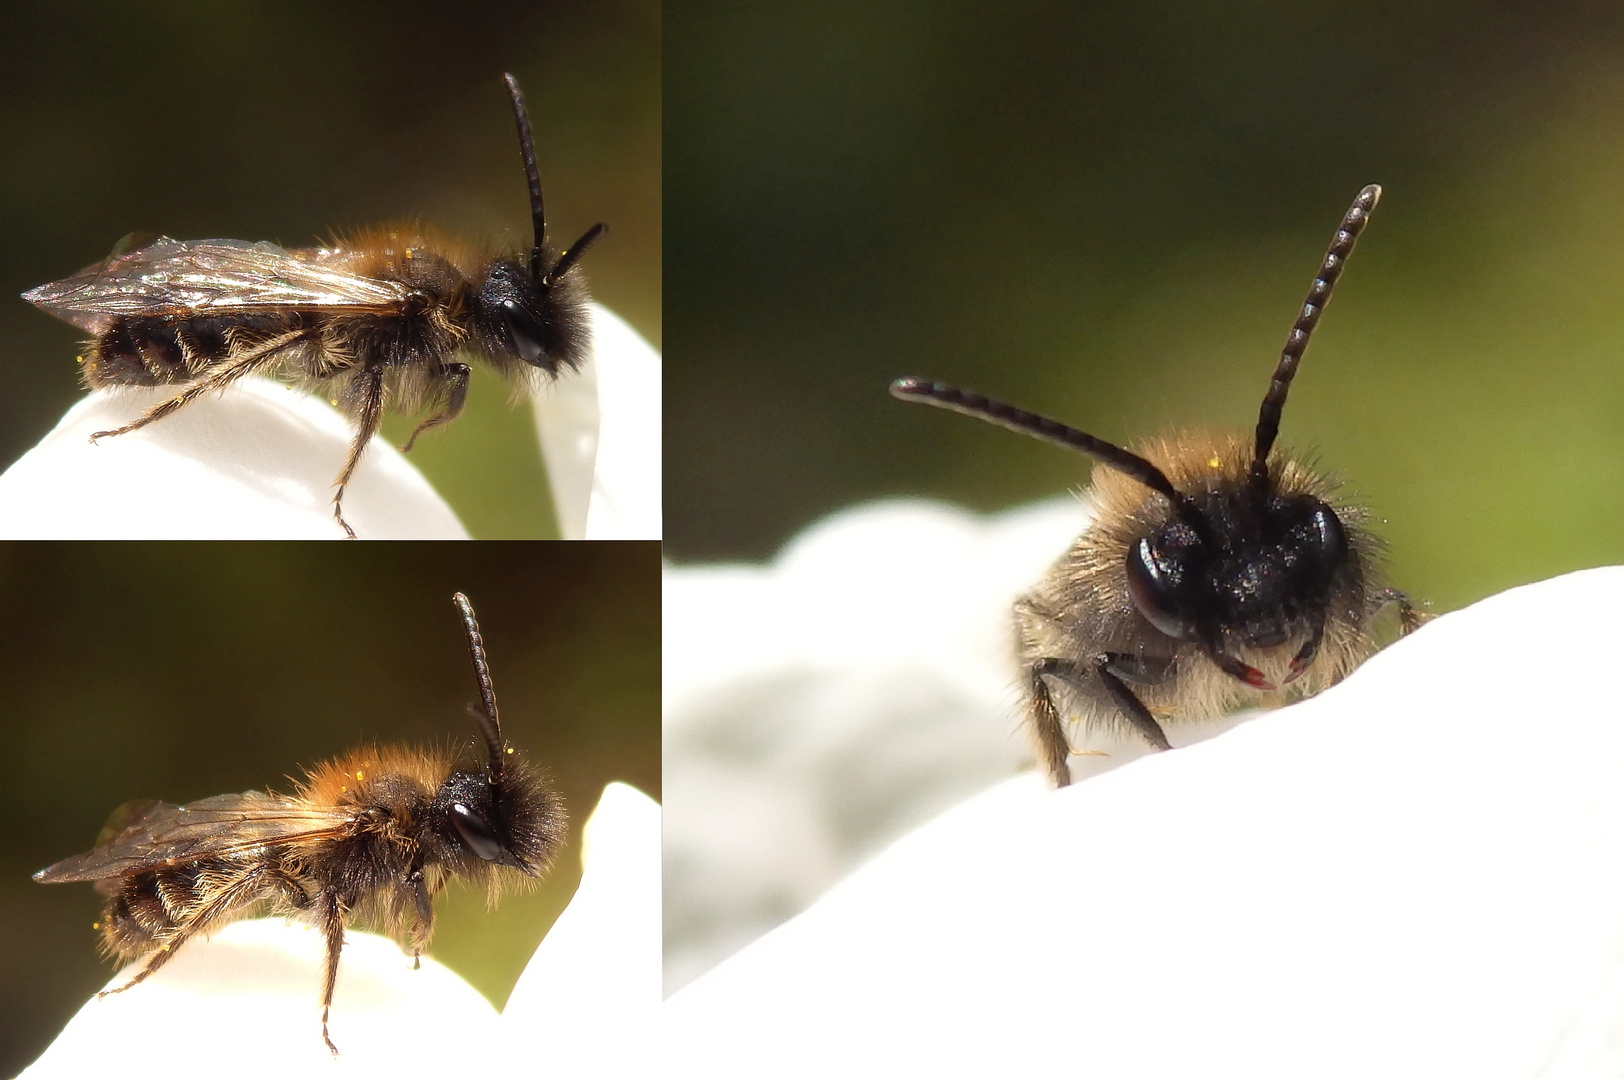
(179, 671)
(289, 121)
(1110, 213)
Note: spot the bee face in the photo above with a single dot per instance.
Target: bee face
(1261, 575)
(537, 321)
(498, 822)
(1214, 571)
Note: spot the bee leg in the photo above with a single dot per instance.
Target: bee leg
(364, 403)
(1113, 668)
(331, 914)
(456, 378)
(1047, 729)
(1409, 619)
(244, 888)
(424, 929)
(216, 378)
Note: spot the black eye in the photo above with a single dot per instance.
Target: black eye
(1152, 589)
(476, 833)
(524, 331)
(1327, 544)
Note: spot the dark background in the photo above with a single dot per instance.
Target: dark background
(179, 671)
(1110, 213)
(289, 121)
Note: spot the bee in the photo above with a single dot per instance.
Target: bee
(1218, 572)
(375, 835)
(372, 321)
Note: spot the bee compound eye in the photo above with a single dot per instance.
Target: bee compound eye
(524, 331)
(1152, 589)
(476, 832)
(1326, 540)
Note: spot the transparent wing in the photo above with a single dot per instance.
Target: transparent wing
(145, 834)
(199, 278)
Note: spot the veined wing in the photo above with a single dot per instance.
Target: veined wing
(145, 834)
(199, 278)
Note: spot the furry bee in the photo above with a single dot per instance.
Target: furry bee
(375, 834)
(1218, 571)
(373, 321)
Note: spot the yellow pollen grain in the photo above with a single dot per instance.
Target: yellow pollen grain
(95, 926)
(78, 359)
(358, 776)
(1212, 463)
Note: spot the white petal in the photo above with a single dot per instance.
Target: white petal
(1418, 872)
(819, 707)
(254, 462)
(247, 1003)
(588, 1001)
(600, 435)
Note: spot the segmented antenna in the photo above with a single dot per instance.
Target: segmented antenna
(489, 725)
(1319, 294)
(575, 251)
(1038, 427)
(538, 216)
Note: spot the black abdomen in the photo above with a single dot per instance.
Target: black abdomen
(148, 351)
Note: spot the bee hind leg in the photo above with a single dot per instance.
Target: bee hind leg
(456, 396)
(218, 377)
(245, 888)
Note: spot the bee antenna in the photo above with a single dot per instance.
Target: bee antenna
(489, 724)
(1319, 294)
(1041, 427)
(527, 147)
(573, 254)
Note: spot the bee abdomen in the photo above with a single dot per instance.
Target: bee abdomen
(150, 351)
(147, 908)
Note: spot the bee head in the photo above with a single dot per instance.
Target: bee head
(506, 814)
(536, 311)
(542, 323)
(1229, 572)
(1242, 566)
(513, 820)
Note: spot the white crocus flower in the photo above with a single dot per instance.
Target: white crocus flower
(257, 461)
(1418, 872)
(245, 1002)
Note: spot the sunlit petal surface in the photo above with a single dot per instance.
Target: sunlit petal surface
(256, 462)
(820, 706)
(1418, 872)
(588, 1002)
(600, 435)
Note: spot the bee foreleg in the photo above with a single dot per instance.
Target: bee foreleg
(332, 914)
(1113, 668)
(216, 378)
(1047, 729)
(456, 378)
(1409, 619)
(424, 929)
(364, 402)
(244, 888)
